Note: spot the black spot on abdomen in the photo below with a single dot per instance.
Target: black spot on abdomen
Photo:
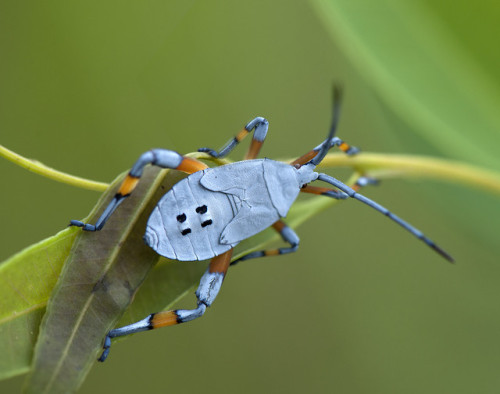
(206, 223)
(202, 209)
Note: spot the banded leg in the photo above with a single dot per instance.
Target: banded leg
(210, 284)
(336, 141)
(318, 153)
(259, 124)
(353, 194)
(288, 236)
(158, 157)
(336, 194)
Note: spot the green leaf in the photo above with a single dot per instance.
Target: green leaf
(100, 277)
(103, 272)
(421, 74)
(26, 282)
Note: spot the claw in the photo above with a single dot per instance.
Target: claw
(84, 226)
(366, 180)
(106, 347)
(211, 152)
(353, 151)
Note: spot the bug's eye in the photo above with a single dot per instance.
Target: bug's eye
(181, 218)
(202, 209)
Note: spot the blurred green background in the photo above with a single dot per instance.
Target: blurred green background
(86, 87)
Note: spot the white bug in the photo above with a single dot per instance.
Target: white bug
(205, 215)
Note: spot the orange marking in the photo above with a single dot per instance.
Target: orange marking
(305, 158)
(191, 165)
(254, 149)
(314, 189)
(128, 185)
(344, 147)
(164, 319)
(272, 252)
(279, 225)
(356, 187)
(242, 134)
(221, 262)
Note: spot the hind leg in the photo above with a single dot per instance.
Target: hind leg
(210, 284)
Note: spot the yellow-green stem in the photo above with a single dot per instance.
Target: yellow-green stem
(374, 164)
(393, 166)
(41, 169)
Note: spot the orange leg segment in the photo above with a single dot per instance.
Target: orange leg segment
(254, 149)
(191, 166)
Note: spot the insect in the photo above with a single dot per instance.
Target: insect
(205, 215)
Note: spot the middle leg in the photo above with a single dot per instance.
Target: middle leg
(288, 236)
(259, 124)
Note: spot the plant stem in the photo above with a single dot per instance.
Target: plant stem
(41, 169)
(374, 164)
(392, 166)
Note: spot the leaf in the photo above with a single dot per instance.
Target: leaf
(420, 73)
(26, 282)
(99, 279)
(28, 278)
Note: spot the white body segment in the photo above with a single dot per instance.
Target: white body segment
(211, 211)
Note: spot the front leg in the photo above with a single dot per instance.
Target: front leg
(158, 157)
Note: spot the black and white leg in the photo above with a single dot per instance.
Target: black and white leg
(158, 157)
(210, 285)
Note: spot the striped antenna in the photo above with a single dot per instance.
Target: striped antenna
(417, 233)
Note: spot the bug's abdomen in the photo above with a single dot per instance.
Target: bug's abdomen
(187, 222)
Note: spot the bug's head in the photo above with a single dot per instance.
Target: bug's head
(306, 174)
